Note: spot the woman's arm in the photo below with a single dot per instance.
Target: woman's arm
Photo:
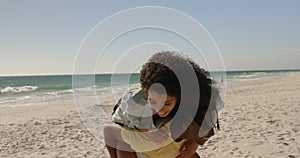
(188, 149)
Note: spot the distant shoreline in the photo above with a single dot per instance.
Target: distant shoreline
(27, 90)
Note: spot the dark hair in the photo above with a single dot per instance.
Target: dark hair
(159, 68)
(157, 71)
(208, 94)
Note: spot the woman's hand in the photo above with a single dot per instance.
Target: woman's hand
(159, 135)
(188, 149)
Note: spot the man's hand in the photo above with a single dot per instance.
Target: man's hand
(188, 149)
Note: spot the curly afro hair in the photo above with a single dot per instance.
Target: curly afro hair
(159, 68)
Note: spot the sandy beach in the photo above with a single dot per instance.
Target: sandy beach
(260, 119)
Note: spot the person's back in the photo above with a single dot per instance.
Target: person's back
(133, 111)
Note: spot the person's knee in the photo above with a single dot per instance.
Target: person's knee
(111, 133)
(108, 132)
(106, 129)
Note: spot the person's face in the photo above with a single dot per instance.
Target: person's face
(162, 104)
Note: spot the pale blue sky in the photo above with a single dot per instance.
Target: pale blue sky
(43, 36)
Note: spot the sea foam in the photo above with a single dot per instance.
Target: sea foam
(19, 89)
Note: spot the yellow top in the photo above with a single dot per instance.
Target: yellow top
(141, 143)
(169, 151)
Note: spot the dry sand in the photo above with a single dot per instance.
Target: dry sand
(46, 131)
(260, 119)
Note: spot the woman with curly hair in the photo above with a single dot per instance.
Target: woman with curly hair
(145, 118)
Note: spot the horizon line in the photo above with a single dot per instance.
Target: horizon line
(108, 73)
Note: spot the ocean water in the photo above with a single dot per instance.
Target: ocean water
(29, 90)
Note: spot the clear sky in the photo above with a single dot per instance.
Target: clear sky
(43, 36)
